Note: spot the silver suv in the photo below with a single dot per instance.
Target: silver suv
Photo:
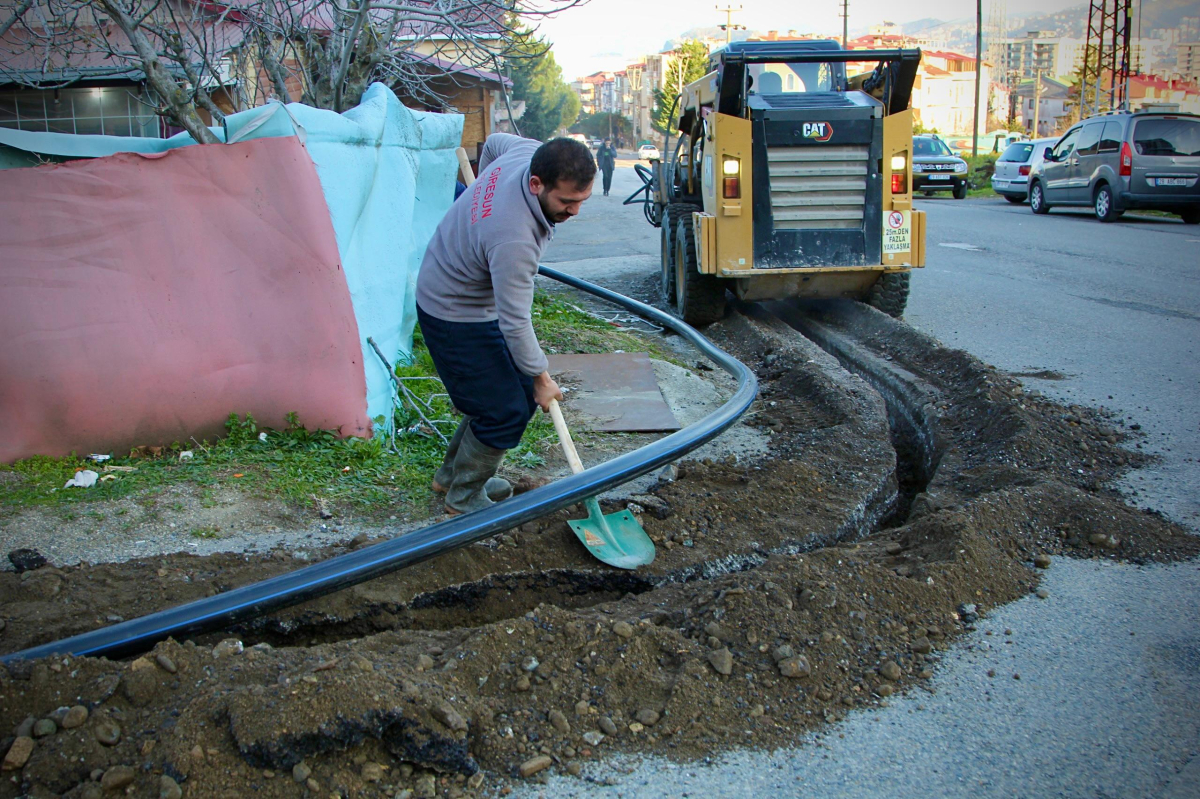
(1119, 161)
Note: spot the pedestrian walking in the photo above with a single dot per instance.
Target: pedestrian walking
(474, 303)
(606, 158)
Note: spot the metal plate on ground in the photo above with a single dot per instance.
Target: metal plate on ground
(614, 392)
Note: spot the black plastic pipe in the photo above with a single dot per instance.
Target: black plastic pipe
(310, 582)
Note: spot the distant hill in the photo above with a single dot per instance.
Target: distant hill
(920, 26)
(709, 32)
(1072, 22)
(959, 33)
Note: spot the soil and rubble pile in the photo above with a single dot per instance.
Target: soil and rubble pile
(787, 591)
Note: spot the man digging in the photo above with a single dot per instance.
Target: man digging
(474, 302)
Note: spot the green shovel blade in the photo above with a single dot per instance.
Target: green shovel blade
(616, 539)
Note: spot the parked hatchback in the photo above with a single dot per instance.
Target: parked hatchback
(1011, 176)
(935, 168)
(1121, 161)
(648, 152)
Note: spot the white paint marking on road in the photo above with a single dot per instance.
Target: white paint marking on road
(958, 245)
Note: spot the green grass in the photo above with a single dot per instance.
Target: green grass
(298, 465)
(980, 169)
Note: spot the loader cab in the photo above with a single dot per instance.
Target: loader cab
(739, 81)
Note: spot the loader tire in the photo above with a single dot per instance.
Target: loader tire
(890, 293)
(699, 299)
(670, 221)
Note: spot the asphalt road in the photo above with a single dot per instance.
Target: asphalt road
(1111, 312)
(1108, 703)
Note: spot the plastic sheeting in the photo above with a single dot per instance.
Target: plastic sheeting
(387, 173)
(143, 299)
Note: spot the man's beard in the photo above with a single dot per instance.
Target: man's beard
(550, 217)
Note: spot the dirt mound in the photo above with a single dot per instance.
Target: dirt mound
(822, 577)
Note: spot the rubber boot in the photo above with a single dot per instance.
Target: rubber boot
(474, 465)
(497, 487)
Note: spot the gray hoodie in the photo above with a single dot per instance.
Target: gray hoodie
(482, 259)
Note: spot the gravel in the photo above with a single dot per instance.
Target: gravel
(1108, 704)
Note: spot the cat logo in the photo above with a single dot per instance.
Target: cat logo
(817, 131)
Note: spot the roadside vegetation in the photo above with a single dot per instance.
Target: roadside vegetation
(980, 168)
(313, 468)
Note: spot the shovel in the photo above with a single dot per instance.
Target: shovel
(616, 539)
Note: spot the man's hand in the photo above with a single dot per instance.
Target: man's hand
(544, 390)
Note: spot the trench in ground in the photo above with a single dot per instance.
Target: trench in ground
(472, 604)
(911, 418)
(911, 405)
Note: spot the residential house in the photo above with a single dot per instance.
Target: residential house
(1147, 90)
(478, 94)
(1054, 106)
(79, 88)
(599, 93)
(71, 86)
(943, 97)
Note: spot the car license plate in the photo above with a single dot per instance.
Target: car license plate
(939, 177)
(1170, 181)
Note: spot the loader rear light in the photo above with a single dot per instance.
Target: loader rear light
(1024, 170)
(899, 184)
(731, 172)
(1126, 160)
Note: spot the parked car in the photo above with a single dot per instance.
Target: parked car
(1119, 161)
(935, 168)
(1011, 176)
(648, 152)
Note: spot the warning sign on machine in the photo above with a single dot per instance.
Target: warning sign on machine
(897, 232)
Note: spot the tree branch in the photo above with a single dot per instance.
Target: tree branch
(159, 79)
(18, 12)
(339, 77)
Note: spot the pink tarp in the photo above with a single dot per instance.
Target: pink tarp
(144, 299)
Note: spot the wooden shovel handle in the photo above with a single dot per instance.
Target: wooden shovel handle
(564, 437)
(466, 174)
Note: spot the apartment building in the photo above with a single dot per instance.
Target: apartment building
(1187, 60)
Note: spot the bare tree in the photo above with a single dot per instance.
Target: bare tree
(217, 57)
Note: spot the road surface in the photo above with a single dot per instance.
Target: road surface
(1108, 700)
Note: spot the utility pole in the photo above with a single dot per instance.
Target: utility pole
(729, 27)
(978, 73)
(1037, 100)
(845, 15)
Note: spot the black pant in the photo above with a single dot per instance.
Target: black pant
(483, 381)
(607, 179)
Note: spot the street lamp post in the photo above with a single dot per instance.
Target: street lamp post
(978, 73)
(729, 27)
(1037, 101)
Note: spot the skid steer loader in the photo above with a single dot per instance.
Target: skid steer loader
(788, 179)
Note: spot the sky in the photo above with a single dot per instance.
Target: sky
(609, 34)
